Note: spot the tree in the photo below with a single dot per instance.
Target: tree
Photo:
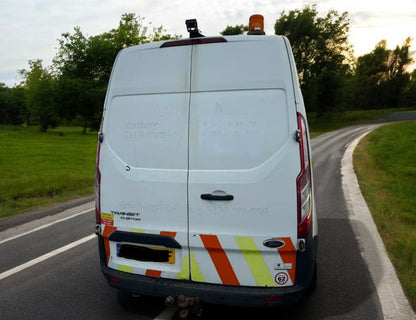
(83, 65)
(409, 95)
(82, 98)
(236, 30)
(12, 105)
(71, 58)
(399, 59)
(380, 79)
(40, 94)
(4, 103)
(93, 57)
(322, 54)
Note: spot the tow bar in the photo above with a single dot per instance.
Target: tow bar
(186, 305)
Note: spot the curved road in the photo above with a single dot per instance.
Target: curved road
(66, 282)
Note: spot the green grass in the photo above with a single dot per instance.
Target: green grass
(385, 164)
(38, 169)
(338, 120)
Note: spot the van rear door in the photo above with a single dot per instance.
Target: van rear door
(243, 164)
(144, 161)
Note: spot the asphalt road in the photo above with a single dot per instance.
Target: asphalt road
(69, 285)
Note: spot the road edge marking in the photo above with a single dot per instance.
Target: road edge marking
(394, 303)
(167, 314)
(43, 226)
(44, 257)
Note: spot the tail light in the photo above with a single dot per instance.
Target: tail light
(97, 185)
(304, 182)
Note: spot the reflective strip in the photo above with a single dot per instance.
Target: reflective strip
(184, 274)
(288, 255)
(255, 261)
(220, 259)
(106, 233)
(168, 233)
(196, 271)
(250, 260)
(137, 230)
(157, 273)
(153, 273)
(125, 268)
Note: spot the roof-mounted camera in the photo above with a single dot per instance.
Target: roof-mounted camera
(192, 27)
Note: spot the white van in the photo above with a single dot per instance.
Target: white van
(203, 175)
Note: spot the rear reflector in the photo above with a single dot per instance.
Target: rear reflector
(114, 280)
(272, 299)
(193, 41)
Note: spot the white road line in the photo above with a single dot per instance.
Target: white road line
(46, 225)
(46, 256)
(167, 314)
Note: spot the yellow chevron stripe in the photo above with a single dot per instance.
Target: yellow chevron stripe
(184, 274)
(255, 261)
(125, 268)
(196, 273)
(137, 230)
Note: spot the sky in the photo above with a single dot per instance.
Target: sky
(30, 29)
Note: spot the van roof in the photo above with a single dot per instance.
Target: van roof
(236, 38)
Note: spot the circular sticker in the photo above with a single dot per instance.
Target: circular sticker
(281, 278)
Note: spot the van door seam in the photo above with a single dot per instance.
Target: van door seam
(187, 172)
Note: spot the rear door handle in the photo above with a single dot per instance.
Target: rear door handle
(217, 197)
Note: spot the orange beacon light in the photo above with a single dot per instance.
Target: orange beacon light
(256, 25)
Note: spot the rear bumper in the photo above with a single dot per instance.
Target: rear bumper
(214, 293)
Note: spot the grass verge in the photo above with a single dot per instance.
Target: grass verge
(385, 164)
(338, 120)
(39, 169)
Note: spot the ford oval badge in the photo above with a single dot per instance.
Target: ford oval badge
(273, 243)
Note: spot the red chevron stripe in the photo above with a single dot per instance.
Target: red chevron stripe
(220, 259)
